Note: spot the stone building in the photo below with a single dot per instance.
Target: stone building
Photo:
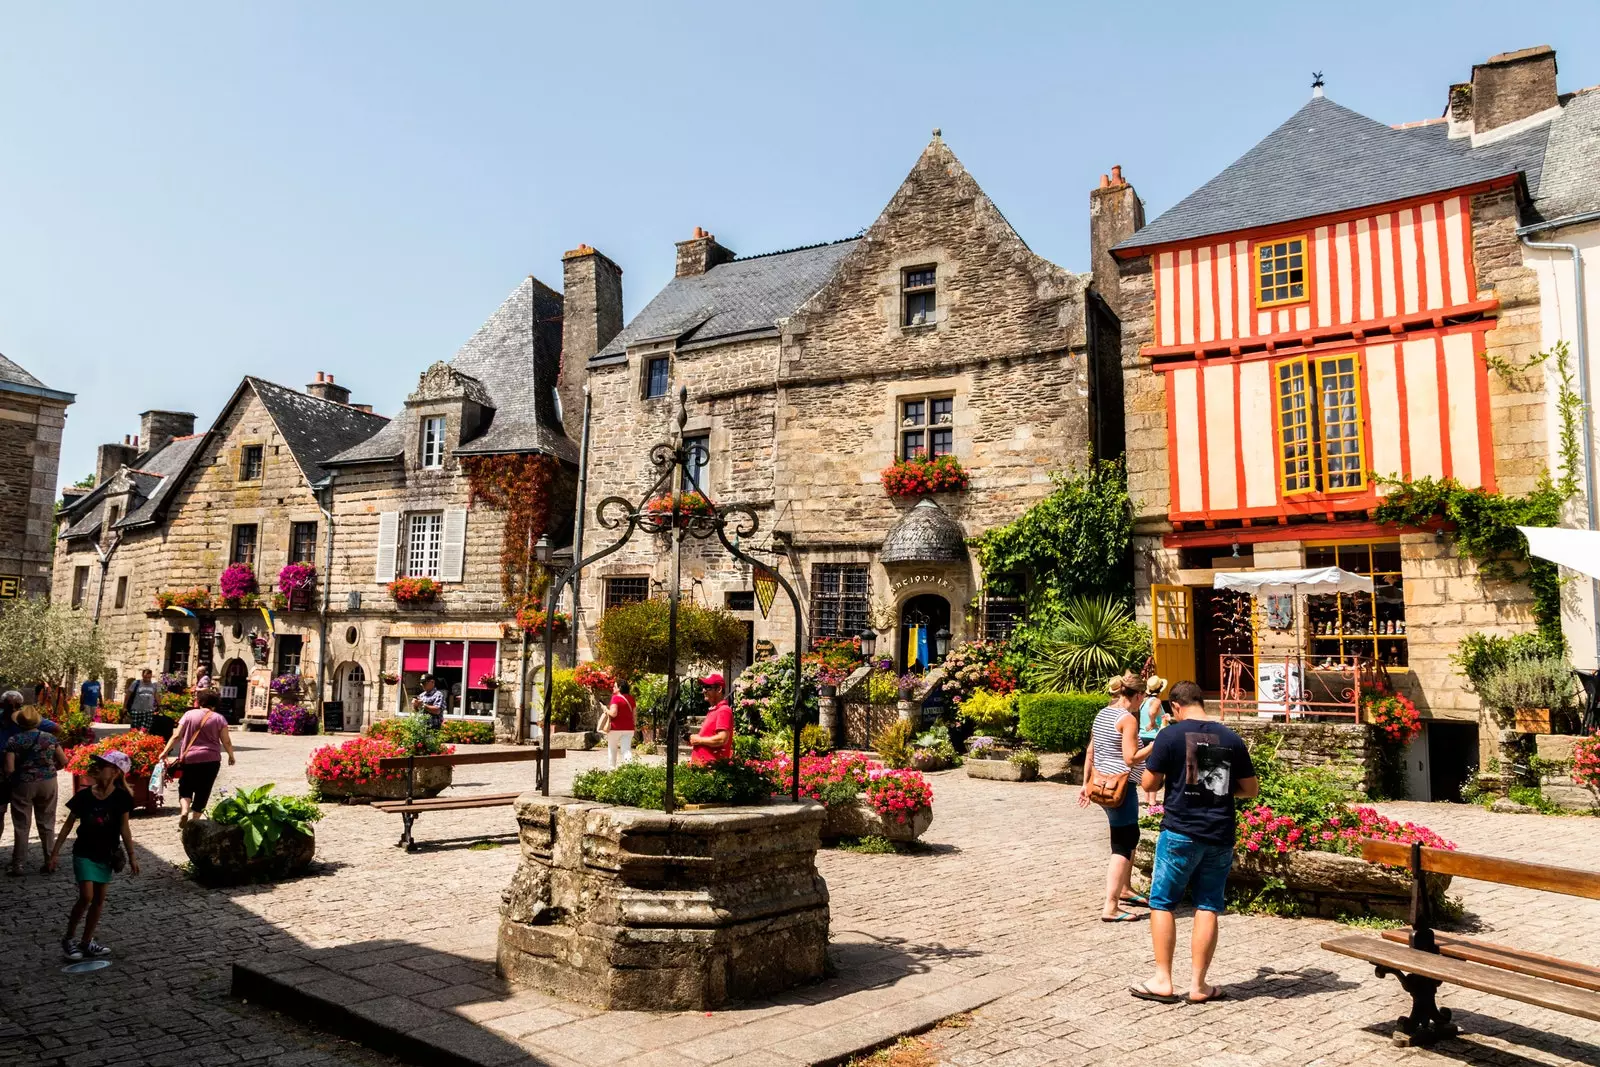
(31, 417)
(1326, 308)
(143, 551)
(810, 371)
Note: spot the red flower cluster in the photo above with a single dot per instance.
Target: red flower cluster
(920, 475)
(1586, 761)
(690, 503)
(414, 590)
(531, 619)
(1263, 830)
(1394, 716)
(143, 750)
(898, 795)
(594, 678)
(354, 761)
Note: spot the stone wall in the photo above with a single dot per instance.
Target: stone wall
(1344, 748)
(30, 451)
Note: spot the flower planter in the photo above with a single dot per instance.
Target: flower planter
(1531, 720)
(860, 819)
(138, 785)
(1000, 770)
(218, 855)
(431, 781)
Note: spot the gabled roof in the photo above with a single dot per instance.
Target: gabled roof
(516, 357)
(152, 476)
(738, 297)
(1570, 181)
(1327, 158)
(16, 380)
(313, 428)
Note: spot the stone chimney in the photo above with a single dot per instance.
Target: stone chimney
(591, 315)
(700, 253)
(113, 457)
(1115, 214)
(1509, 87)
(71, 494)
(324, 389)
(363, 407)
(158, 428)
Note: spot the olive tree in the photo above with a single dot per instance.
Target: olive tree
(49, 643)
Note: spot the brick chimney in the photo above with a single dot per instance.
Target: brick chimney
(591, 315)
(1115, 214)
(324, 389)
(158, 428)
(1511, 86)
(112, 457)
(700, 253)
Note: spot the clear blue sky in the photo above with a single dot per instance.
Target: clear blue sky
(193, 192)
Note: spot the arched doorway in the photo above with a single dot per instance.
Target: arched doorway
(351, 684)
(231, 692)
(921, 617)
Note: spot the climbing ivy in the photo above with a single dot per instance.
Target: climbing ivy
(519, 486)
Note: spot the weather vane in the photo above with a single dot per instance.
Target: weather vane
(1316, 79)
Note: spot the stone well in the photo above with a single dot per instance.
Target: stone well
(638, 910)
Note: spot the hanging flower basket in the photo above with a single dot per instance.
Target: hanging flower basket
(389, 678)
(691, 504)
(238, 582)
(295, 582)
(920, 476)
(408, 591)
(531, 621)
(488, 681)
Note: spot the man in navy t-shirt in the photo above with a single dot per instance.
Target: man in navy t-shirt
(1204, 767)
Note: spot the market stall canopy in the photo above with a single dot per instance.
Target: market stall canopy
(1286, 583)
(1577, 549)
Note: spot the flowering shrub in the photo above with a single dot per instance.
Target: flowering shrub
(1263, 830)
(288, 686)
(531, 619)
(109, 711)
(974, 665)
(143, 749)
(765, 691)
(1586, 761)
(173, 683)
(595, 678)
(355, 761)
(238, 581)
(898, 795)
(291, 719)
(837, 656)
(296, 577)
(920, 475)
(909, 686)
(73, 728)
(413, 733)
(173, 703)
(414, 590)
(1393, 716)
(982, 746)
(466, 732)
(198, 597)
(831, 780)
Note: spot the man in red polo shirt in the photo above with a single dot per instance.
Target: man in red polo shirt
(715, 739)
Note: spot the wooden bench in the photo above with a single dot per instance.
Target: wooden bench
(1423, 959)
(411, 808)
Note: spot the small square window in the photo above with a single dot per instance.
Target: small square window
(655, 377)
(1281, 272)
(250, 463)
(920, 285)
(621, 591)
(433, 442)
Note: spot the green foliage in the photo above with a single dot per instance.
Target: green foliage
(650, 698)
(1025, 758)
(642, 785)
(1480, 655)
(871, 846)
(41, 641)
(568, 699)
(264, 817)
(893, 744)
(414, 733)
(988, 710)
(1272, 898)
(883, 687)
(1309, 795)
(932, 749)
(815, 740)
(466, 732)
(1533, 797)
(1095, 638)
(1072, 542)
(1058, 722)
(632, 638)
(1537, 682)
(1370, 922)
(753, 747)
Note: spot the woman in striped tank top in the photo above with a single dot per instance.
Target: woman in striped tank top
(1114, 749)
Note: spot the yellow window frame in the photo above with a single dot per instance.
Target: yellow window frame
(1305, 268)
(1323, 423)
(1283, 442)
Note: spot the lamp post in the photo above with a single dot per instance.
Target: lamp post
(541, 552)
(941, 642)
(869, 643)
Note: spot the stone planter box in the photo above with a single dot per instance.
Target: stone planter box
(628, 909)
(218, 855)
(138, 785)
(431, 781)
(575, 741)
(861, 819)
(1000, 770)
(1327, 885)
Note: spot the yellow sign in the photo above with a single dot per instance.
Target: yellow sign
(10, 586)
(766, 583)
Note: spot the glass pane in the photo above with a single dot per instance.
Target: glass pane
(912, 413)
(942, 442)
(1321, 556)
(911, 444)
(943, 409)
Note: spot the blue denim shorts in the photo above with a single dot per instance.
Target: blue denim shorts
(1184, 863)
(1128, 813)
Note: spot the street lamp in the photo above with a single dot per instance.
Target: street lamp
(869, 642)
(941, 641)
(541, 549)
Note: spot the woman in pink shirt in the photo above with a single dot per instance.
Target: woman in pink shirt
(201, 738)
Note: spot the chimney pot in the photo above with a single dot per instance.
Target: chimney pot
(319, 376)
(330, 379)
(325, 389)
(1116, 175)
(1105, 181)
(700, 253)
(127, 439)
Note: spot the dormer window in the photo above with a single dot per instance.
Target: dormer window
(433, 442)
(1281, 272)
(921, 293)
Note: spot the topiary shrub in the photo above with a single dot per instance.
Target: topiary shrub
(1058, 722)
(632, 638)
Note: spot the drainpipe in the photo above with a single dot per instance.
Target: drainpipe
(1580, 313)
(577, 533)
(104, 556)
(325, 504)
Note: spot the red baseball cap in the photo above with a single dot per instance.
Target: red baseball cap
(712, 679)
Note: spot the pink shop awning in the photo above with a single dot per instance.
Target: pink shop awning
(414, 656)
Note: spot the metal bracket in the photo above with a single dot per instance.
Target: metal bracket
(1427, 1022)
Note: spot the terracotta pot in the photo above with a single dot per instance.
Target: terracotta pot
(1531, 720)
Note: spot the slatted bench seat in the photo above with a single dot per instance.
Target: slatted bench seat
(1423, 959)
(411, 808)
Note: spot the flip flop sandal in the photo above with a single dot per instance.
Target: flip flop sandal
(1138, 900)
(1217, 993)
(1122, 917)
(1147, 994)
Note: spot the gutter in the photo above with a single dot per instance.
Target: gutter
(41, 391)
(1581, 325)
(325, 505)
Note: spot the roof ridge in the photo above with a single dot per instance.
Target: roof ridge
(309, 396)
(797, 248)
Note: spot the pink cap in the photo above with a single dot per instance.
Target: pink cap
(712, 679)
(119, 760)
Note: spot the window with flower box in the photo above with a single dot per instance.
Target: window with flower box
(1346, 627)
(243, 549)
(927, 427)
(840, 599)
(303, 542)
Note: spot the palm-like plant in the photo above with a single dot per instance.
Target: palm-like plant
(1096, 638)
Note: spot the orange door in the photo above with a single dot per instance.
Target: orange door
(1174, 632)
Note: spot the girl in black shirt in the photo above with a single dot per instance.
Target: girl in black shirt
(101, 813)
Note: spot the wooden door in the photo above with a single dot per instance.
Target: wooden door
(1174, 632)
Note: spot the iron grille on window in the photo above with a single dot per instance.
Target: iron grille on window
(1002, 606)
(626, 591)
(839, 599)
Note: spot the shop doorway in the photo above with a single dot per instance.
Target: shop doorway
(1224, 627)
(1452, 758)
(921, 618)
(231, 693)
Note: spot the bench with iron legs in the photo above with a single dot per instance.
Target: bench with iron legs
(1424, 959)
(411, 808)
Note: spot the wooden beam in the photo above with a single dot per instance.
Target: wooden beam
(1566, 880)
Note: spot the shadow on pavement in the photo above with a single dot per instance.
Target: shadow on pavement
(1479, 1054)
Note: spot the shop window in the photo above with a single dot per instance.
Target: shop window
(243, 549)
(1319, 425)
(80, 585)
(629, 590)
(250, 462)
(927, 427)
(921, 296)
(303, 542)
(1002, 606)
(839, 599)
(1371, 627)
(459, 669)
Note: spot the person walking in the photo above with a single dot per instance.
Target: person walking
(201, 738)
(1152, 717)
(89, 697)
(619, 725)
(141, 701)
(715, 739)
(1205, 767)
(430, 701)
(32, 759)
(1111, 770)
(100, 811)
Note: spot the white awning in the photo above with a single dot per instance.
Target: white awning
(1577, 549)
(1286, 583)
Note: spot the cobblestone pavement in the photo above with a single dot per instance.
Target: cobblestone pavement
(1008, 887)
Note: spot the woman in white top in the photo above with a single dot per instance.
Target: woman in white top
(1114, 749)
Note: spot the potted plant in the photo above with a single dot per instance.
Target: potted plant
(389, 678)
(251, 836)
(294, 585)
(921, 475)
(1526, 691)
(143, 751)
(237, 582)
(291, 719)
(350, 769)
(409, 592)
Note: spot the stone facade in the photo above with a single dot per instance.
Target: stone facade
(31, 419)
(1344, 748)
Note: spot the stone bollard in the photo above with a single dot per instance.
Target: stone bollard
(828, 715)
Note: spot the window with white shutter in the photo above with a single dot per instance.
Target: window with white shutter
(388, 545)
(424, 541)
(452, 564)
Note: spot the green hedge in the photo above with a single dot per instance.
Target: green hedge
(1058, 722)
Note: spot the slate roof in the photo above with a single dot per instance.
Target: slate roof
(12, 375)
(1570, 181)
(516, 355)
(1327, 158)
(314, 428)
(153, 475)
(741, 296)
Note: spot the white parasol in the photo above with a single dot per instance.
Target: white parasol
(1577, 549)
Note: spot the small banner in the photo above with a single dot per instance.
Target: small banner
(270, 619)
(766, 582)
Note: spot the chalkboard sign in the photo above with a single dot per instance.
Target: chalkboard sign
(332, 716)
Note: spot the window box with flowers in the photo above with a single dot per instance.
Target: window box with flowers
(194, 599)
(236, 583)
(411, 592)
(658, 510)
(921, 476)
(295, 582)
